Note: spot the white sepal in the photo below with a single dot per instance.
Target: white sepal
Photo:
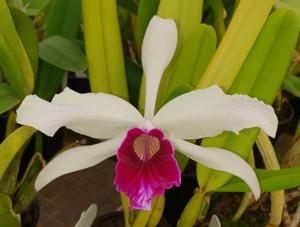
(220, 159)
(76, 159)
(158, 49)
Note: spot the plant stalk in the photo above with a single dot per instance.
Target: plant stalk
(277, 197)
(192, 210)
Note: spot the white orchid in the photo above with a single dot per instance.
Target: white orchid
(145, 145)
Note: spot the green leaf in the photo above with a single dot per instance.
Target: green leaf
(62, 53)
(12, 38)
(10, 178)
(130, 5)
(28, 36)
(289, 4)
(13, 144)
(8, 217)
(291, 84)
(194, 57)
(64, 20)
(8, 99)
(134, 77)
(269, 180)
(11, 70)
(147, 9)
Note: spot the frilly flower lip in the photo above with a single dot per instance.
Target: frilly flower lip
(146, 166)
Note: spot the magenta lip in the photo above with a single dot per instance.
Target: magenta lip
(142, 176)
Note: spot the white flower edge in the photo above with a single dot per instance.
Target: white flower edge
(158, 49)
(87, 217)
(75, 159)
(214, 221)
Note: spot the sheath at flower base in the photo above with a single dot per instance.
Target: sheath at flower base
(145, 145)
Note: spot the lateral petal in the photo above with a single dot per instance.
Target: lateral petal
(208, 112)
(100, 115)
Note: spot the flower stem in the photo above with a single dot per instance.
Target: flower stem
(126, 208)
(192, 210)
(142, 218)
(269, 157)
(248, 196)
(11, 123)
(157, 211)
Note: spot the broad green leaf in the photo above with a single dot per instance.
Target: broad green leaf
(8, 99)
(194, 57)
(64, 20)
(8, 218)
(11, 70)
(187, 15)
(130, 5)
(134, 77)
(291, 84)
(9, 180)
(26, 192)
(11, 36)
(13, 144)
(269, 180)
(147, 9)
(28, 36)
(62, 53)
(289, 4)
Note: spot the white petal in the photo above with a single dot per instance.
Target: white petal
(208, 112)
(214, 221)
(220, 159)
(101, 115)
(88, 217)
(76, 159)
(158, 48)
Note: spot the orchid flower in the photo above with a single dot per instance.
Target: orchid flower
(145, 145)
